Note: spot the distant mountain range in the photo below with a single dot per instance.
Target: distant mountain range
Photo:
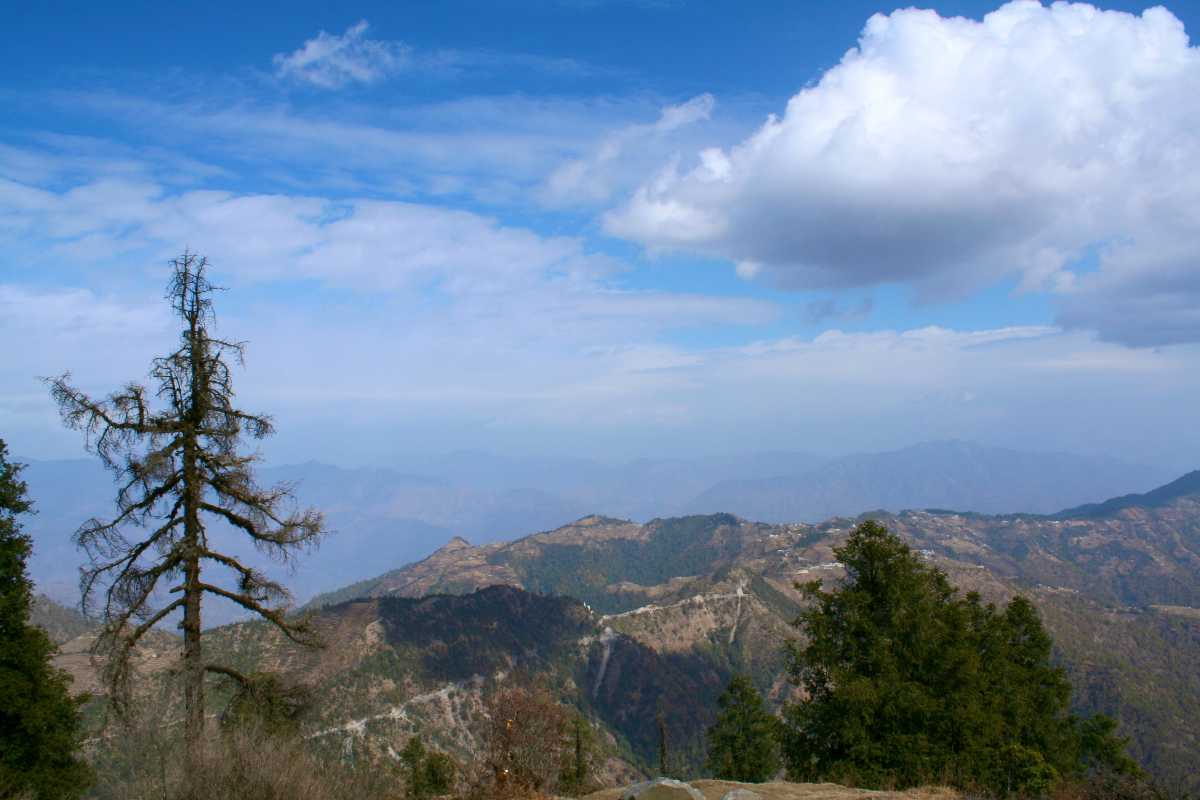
(626, 620)
(958, 475)
(385, 517)
(1188, 485)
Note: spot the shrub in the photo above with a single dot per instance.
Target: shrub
(145, 758)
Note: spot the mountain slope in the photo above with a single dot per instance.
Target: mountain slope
(393, 516)
(394, 665)
(1132, 556)
(60, 623)
(1119, 591)
(626, 619)
(1186, 486)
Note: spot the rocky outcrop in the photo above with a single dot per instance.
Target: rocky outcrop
(662, 789)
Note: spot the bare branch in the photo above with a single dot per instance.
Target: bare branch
(126, 559)
(299, 631)
(176, 453)
(228, 672)
(291, 532)
(252, 583)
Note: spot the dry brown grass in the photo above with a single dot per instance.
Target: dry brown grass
(147, 763)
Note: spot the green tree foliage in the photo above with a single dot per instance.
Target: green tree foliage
(581, 760)
(906, 682)
(428, 773)
(743, 742)
(664, 752)
(39, 721)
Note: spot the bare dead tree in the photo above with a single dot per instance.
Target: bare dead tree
(177, 456)
(527, 741)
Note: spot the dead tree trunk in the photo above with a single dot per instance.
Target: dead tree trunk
(180, 464)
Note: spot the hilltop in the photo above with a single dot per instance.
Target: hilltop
(391, 516)
(1186, 486)
(61, 624)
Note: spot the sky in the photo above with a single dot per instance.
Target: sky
(616, 228)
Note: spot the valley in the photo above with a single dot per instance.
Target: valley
(626, 621)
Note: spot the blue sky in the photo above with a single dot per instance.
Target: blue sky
(617, 229)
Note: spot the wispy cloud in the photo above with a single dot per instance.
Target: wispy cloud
(441, 329)
(830, 308)
(331, 61)
(496, 149)
(614, 162)
(459, 310)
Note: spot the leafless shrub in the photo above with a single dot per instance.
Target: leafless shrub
(144, 759)
(529, 745)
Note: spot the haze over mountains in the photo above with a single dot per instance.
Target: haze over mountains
(954, 475)
(689, 600)
(624, 618)
(383, 518)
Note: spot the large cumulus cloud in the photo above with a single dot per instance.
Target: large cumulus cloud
(1059, 145)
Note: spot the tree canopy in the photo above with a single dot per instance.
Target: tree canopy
(743, 742)
(907, 682)
(39, 720)
(427, 772)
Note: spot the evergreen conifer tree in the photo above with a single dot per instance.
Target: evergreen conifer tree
(742, 743)
(908, 683)
(39, 721)
(428, 773)
(579, 764)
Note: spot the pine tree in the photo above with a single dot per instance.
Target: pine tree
(742, 743)
(580, 759)
(180, 464)
(39, 721)
(663, 750)
(428, 773)
(906, 682)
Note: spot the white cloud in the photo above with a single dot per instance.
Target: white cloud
(331, 62)
(432, 330)
(596, 177)
(74, 312)
(496, 149)
(428, 309)
(360, 244)
(952, 153)
(48, 330)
